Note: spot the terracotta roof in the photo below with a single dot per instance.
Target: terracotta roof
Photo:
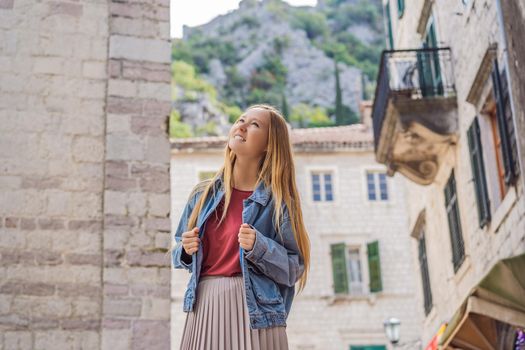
(355, 136)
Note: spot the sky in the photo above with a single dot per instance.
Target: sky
(196, 12)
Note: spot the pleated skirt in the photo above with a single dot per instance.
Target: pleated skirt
(220, 320)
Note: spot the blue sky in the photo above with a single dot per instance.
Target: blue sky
(195, 12)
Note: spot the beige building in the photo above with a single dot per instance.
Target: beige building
(447, 115)
(361, 271)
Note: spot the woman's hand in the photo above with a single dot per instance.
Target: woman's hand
(246, 237)
(191, 241)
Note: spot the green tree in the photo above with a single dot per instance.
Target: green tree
(177, 128)
(313, 23)
(306, 116)
(284, 107)
(339, 117)
(184, 75)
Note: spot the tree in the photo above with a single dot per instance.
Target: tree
(284, 108)
(339, 117)
(177, 128)
(306, 116)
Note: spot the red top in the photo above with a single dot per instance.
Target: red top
(220, 245)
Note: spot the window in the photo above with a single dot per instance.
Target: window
(425, 276)
(347, 269)
(400, 8)
(454, 223)
(322, 187)
(497, 132)
(478, 172)
(508, 145)
(377, 187)
(354, 271)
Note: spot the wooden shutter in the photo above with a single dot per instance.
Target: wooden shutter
(505, 93)
(425, 276)
(339, 270)
(456, 236)
(478, 172)
(374, 267)
(500, 88)
(400, 8)
(424, 67)
(429, 65)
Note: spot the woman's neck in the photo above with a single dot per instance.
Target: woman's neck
(245, 173)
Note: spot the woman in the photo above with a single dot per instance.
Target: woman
(242, 236)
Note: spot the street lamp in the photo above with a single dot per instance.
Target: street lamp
(392, 329)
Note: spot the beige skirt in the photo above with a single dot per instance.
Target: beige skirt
(220, 320)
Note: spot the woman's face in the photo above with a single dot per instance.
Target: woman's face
(252, 127)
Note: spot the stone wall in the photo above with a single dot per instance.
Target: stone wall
(84, 211)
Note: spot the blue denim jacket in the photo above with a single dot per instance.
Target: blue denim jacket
(270, 270)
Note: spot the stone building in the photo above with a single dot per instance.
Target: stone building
(84, 175)
(448, 114)
(360, 271)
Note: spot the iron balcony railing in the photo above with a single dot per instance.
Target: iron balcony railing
(411, 74)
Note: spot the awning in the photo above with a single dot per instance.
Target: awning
(434, 342)
(500, 296)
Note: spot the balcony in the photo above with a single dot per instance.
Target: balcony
(415, 112)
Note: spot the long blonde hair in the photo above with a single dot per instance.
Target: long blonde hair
(277, 171)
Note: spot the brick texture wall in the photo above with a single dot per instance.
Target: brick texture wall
(84, 210)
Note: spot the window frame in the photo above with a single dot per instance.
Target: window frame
(377, 185)
(310, 170)
(323, 194)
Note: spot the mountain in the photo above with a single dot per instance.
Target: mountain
(268, 51)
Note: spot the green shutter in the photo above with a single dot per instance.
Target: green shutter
(454, 223)
(429, 66)
(367, 347)
(374, 267)
(511, 131)
(204, 175)
(425, 276)
(389, 26)
(505, 125)
(478, 172)
(400, 8)
(339, 270)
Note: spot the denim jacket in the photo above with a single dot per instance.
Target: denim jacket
(270, 269)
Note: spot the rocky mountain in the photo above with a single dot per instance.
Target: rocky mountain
(269, 51)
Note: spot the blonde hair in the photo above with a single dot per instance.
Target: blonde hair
(277, 171)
